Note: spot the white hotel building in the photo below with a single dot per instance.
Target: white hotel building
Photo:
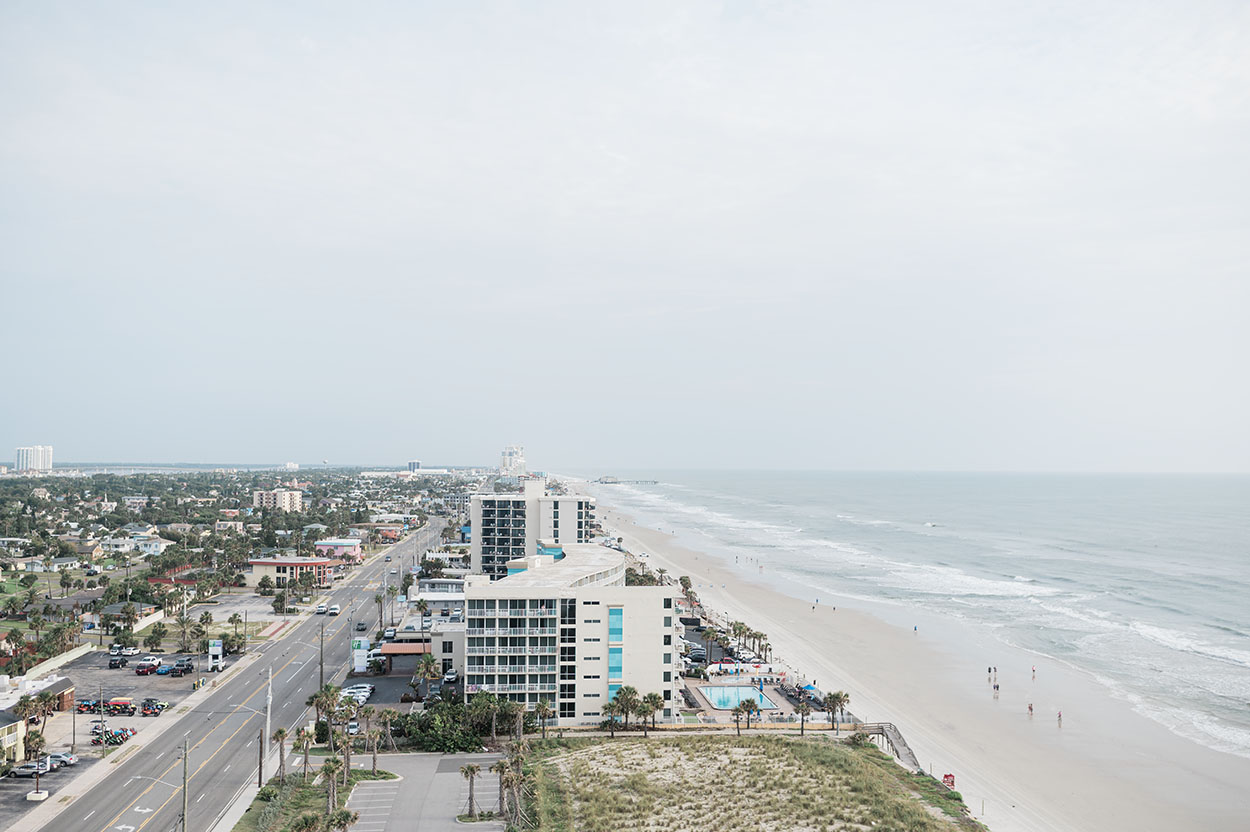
(35, 459)
(562, 627)
(508, 526)
(278, 500)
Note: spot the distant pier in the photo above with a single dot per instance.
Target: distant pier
(616, 481)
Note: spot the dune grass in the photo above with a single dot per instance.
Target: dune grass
(757, 783)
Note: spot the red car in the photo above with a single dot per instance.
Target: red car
(144, 669)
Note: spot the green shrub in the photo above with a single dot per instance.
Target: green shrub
(267, 793)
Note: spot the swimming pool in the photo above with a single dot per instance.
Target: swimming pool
(725, 697)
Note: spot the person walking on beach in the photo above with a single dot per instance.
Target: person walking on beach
(1061, 717)
(1030, 709)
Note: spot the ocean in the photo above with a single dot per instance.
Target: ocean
(1140, 581)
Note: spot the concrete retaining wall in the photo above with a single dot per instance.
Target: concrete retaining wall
(46, 667)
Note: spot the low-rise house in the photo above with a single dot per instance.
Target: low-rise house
(152, 545)
(284, 570)
(88, 550)
(228, 526)
(135, 529)
(348, 549)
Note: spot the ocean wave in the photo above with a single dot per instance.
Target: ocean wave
(1186, 644)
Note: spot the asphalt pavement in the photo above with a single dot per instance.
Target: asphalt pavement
(223, 731)
(429, 795)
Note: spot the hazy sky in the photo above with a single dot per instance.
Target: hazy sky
(975, 235)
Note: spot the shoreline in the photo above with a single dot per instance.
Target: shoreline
(1103, 768)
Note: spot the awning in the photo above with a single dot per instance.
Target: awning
(397, 648)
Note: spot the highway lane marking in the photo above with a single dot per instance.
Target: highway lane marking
(197, 745)
(227, 768)
(200, 768)
(201, 797)
(89, 814)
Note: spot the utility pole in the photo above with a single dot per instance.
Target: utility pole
(268, 708)
(260, 751)
(323, 656)
(186, 753)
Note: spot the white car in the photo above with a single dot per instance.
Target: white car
(130, 651)
(353, 728)
(321, 609)
(334, 610)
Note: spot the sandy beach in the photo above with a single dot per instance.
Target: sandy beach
(1102, 768)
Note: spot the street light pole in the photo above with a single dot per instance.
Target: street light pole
(260, 750)
(322, 659)
(185, 754)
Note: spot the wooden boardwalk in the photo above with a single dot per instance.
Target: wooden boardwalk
(894, 738)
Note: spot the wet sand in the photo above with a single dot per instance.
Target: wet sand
(1103, 768)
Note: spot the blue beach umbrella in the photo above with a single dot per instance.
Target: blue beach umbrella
(809, 687)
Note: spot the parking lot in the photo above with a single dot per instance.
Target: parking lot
(13, 802)
(93, 679)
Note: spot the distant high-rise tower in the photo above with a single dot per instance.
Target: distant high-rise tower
(35, 459)
(512, 461)
(414, 465)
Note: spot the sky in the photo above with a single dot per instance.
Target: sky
(863, 236)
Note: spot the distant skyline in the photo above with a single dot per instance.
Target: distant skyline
(649, 236)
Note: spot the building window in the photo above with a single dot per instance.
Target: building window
(668, 621)
(668, 694)
(615, 623)
(612, 689)
(447, 648)
(668, 603)
(668, 658)
(668, 675)
(614, 662)
(568, 710)
(592, 695)
(590, 603)
(668, 640)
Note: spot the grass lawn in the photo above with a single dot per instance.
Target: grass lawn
(771, 783)
(296, 798)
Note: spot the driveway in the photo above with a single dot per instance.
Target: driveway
(429, 795)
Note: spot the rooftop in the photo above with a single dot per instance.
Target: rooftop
(583, 564)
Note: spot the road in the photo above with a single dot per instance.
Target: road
(144, 794)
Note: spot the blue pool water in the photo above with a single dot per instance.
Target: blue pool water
(725, 697)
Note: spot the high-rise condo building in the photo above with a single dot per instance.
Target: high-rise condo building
(414, 465)
(507, 526)
(278, 500)
(563, 628)
(35, 459)
(512, 461)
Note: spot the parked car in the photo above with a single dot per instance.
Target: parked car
(118, 661)
(31, 769)
(388, 633)
(450, 677)
(130, 651)
(163, 670)
(186, 665)
(145, 669)
(115, 649)
(353, 728)
(63, 758)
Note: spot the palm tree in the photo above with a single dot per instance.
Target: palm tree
(26, 707)
(710, 635)
(235, 620)
(501, 769)
(803, 710)
(46, 702)
(645, 710)
(508, 710)
(35, 743)
(367, 713)
(427, 671)
(833, 703)
(627, 696)
(206, 618)
(340, 819)
(331, 768)
(483, 704)
(388, 716)
(846, 700)
(374, 737)
(611, 709)
(185, 624)
(749, 707)
(129, 616)
(345, 744)
(392, 592)
(279, 736)
(544, 712)
(422, 606)
(737, 715)
(303, 744)
(378, 599)
(656, 703)
(470, 773)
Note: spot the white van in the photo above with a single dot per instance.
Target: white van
(334, 609)
(321, 609)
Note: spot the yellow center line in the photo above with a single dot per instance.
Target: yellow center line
(197, 771)
(174, 765)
